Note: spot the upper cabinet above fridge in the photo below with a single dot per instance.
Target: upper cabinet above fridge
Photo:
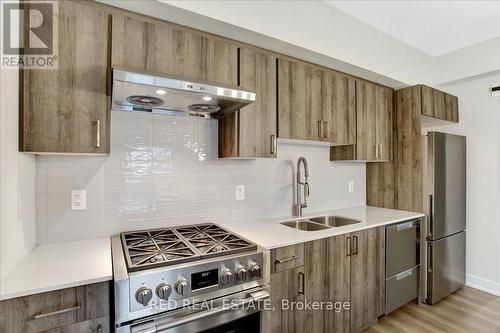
(438, 107)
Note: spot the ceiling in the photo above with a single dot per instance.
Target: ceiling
(434, 27)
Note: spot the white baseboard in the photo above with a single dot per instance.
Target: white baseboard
(485, 285)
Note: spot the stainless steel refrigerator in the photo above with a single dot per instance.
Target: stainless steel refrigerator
(444, 200)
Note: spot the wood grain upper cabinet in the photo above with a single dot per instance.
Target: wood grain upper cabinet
(162, 47)
(299, 100)
(315, 103)
(438, 104)
(338, 99)
(66, 110)
(373, 125)
(252, 131)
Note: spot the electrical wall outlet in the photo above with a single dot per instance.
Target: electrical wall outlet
(78, 199)
(240, 192)
(351, 186)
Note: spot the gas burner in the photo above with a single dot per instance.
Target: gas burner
(162, 247)
(212, 240)
(153, 248)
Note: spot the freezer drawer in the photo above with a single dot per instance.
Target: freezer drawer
(401, 289)
(445, 266)
(402, 247)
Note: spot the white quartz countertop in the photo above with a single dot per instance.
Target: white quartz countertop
(270, 234)
(57, 266)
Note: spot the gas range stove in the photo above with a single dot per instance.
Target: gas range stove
(158, 271)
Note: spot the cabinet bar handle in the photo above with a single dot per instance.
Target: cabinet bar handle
(98, 134)
(281, 261)
(319, 129)
(376, 151)
(50, 314)
(273, 144)
(355, 241)
(301, 283)
(380, 151)
(326, 129)
(348, 246)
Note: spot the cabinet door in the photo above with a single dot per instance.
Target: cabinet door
(338, 114)
(299, 101)
(365, 263)
(66, 110)
(451, 103)
(366, 143)
(316, 284)
(287, 285)
(383, 125)
(167, 48)
(255, 133)
(339, 277)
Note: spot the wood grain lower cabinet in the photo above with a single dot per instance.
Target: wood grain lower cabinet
(252, 131)
(287, 285)
(346, 271)
(365, 278)
(66, 110)
(79, 309)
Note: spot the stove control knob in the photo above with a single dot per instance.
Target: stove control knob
(181, 287)
(227, 276)
(163, 290)
(255, 269)
(143, 295)
(242, 274)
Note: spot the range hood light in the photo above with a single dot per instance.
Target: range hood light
(149, 92)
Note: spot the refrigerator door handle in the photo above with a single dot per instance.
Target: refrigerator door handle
(429, 258)
(431, 214)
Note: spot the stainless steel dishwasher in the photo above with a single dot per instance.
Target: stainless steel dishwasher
(402, 265)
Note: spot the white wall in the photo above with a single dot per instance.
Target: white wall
(164, 171)
(481, 59)
(17, 181)
(480, 123)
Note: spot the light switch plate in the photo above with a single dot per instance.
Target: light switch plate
(351, 186)
(78, 199)
(240, 192)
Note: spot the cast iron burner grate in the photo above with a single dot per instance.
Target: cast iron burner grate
(169, 246)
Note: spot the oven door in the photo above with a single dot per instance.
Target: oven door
(238, 313)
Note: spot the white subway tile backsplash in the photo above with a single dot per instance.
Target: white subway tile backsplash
(165, 171)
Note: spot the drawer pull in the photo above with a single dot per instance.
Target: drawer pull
(98, 134)
(50, 314)
(404, 274)
(281, 261)
(404, 226)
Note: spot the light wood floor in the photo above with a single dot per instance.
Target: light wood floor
(467, 310)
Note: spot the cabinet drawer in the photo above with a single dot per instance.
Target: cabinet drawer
(287, 257)
(55, 309)
(401, 289)
(98, 325)
(401, 247)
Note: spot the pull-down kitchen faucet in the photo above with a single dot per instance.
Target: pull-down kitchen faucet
(297, 207)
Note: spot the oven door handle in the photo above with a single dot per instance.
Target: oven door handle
(159, 327)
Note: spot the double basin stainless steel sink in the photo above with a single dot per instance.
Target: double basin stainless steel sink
(319, 223)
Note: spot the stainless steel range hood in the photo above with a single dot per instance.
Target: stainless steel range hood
(146, 92)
